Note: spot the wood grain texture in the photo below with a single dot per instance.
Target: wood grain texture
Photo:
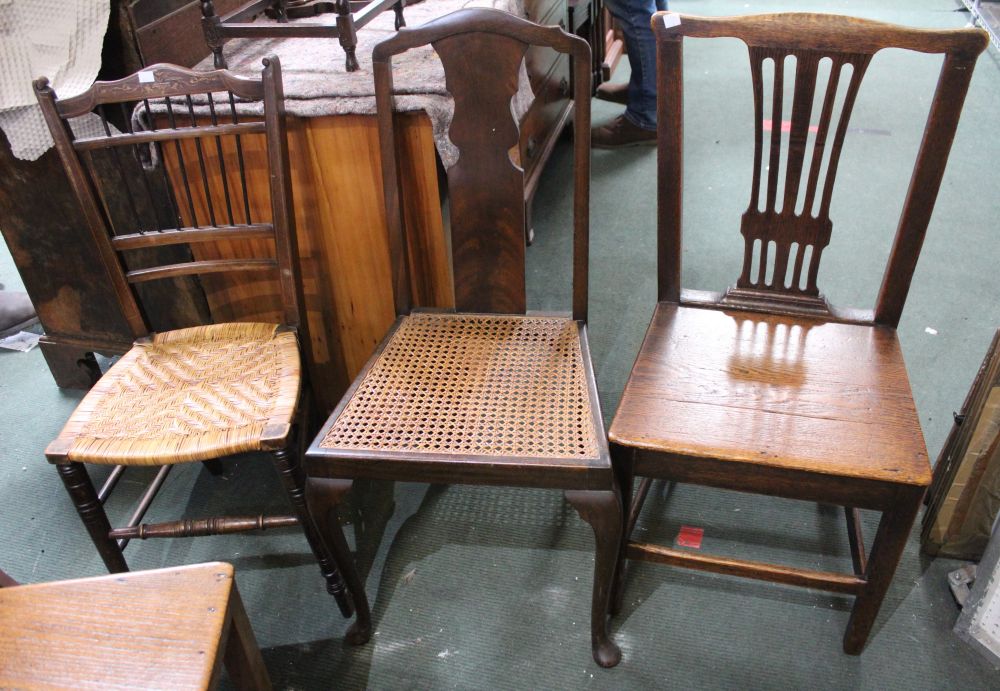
(342, 247)
(825, 32)
(485, 187)
(812, 396)
(154, 629)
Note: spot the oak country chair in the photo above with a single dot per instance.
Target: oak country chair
(767, 388)
(201, 393)
(486, 394)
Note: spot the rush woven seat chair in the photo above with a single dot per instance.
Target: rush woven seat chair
(767, 388)
(205, 392)
(487, 394)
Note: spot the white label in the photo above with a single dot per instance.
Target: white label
(146, 77)
(671, 20)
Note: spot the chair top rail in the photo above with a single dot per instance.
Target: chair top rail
(156, 81)
(820, 32)
(472, 20)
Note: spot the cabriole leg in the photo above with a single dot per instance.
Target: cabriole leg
(603, 511)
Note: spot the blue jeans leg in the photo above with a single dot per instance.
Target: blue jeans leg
(633, 17)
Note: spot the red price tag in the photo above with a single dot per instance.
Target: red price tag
(690, 537)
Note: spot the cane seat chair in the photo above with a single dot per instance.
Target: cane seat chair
(767, 388)
(487, 394)
(204, 392)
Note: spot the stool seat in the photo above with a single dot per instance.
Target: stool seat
(163, 629)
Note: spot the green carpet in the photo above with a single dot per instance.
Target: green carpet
(490, 587)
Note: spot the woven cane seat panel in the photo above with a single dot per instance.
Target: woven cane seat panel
(188, 395)
(485, 385)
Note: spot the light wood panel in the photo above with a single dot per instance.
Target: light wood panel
(149, 629)
(340, 221)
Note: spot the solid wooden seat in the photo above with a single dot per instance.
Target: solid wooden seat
(772, 390)
(167, 629)
(189, 395)
(488, 395)
(767, 388)
(205, 392)
(467, 392)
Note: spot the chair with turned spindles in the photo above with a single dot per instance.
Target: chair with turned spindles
(205, 392)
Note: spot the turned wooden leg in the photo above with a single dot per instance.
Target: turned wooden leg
(294, 478)
(324, 495)
(348, 35)
(210, 22)
(81, 491)
(623, 463)
(242, 654)
(890, 541)
(400, 19)
(603, 511)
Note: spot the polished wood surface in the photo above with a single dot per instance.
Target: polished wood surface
(487, 395)
(766, 388)
(169, 628)
(343, 250)
(772, 390)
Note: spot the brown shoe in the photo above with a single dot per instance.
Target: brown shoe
(616, 93)
(620, 133)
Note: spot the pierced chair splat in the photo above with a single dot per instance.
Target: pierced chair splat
(767, 388)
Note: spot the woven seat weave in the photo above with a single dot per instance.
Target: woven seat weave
(485, 385)
(188, 395)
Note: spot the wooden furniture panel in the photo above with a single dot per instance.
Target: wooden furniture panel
(963, 501)
(169, 628)
(548, 115)
(340, 222)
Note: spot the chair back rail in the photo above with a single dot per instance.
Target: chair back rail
(206, 143)
(482, 51)
(785, 234)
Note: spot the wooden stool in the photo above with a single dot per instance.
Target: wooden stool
(167, 628)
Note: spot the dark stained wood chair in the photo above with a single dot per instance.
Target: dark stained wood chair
(205, 392)
(767, 388)
(169, 628)
(487, 394)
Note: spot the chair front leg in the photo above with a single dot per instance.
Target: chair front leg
(91, 510)
(324, 495)
(603, 511)
(623, 464)
(294, 478)
(890, 541)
